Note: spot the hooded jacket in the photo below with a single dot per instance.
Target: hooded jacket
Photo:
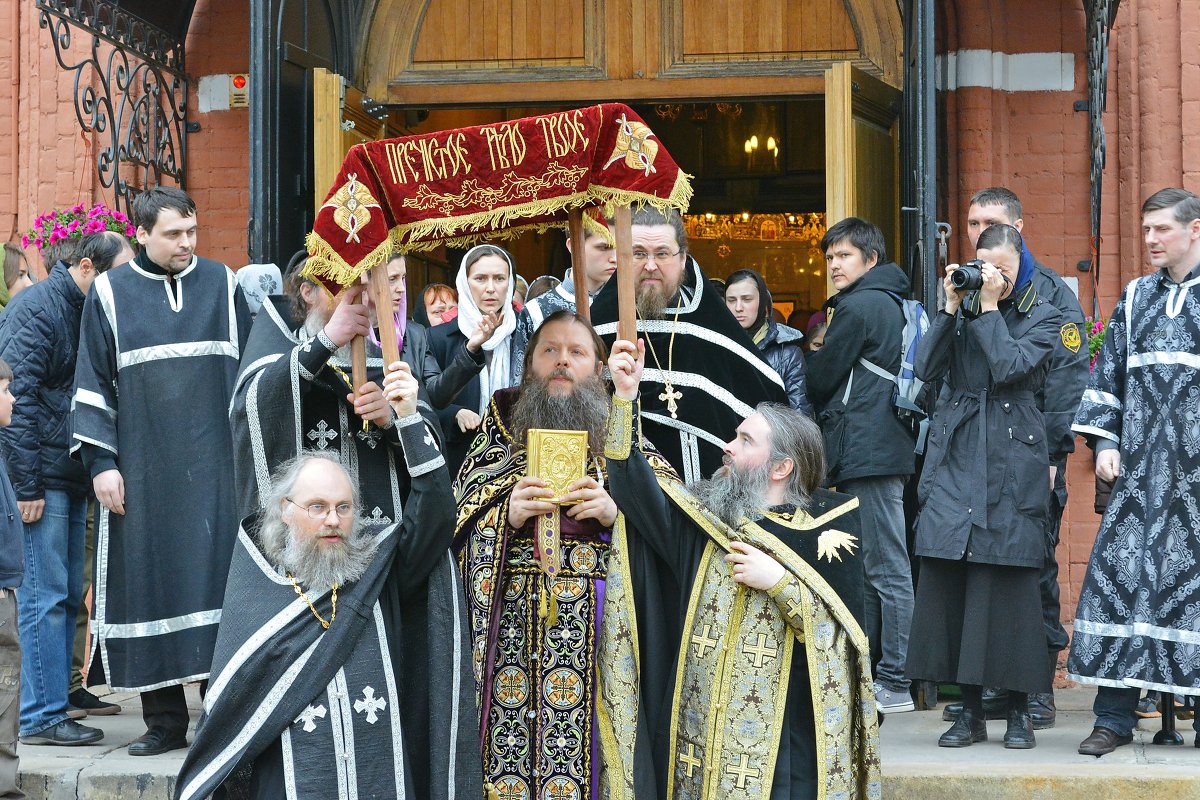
(863, 436)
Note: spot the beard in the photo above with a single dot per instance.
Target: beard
(313, 563)
(314, 323)
(732, 492)
(584, 409)
(652, 301)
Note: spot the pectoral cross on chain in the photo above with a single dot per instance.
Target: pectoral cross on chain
(671, 394)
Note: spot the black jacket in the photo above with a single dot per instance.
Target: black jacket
(781, 348)
(863, 438)
(984, 489)
(12, 535)
(449, 346)
(39, 338)
(1069, 373)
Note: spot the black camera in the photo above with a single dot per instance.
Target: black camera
(968, 277)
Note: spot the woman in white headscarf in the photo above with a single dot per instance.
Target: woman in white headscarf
(482, 331)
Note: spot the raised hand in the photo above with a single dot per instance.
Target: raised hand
(625, 363)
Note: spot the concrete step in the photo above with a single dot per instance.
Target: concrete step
(914, 767)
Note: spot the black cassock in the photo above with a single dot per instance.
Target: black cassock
(709, 360)
(379, 705)
(291, 395)
(158, 356)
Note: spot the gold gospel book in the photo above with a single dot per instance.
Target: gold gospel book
(557, 457)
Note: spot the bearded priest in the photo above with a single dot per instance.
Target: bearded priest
(535, 528)
(762, 689)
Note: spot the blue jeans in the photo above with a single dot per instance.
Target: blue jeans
(1114, 709)
(888, 591)
(47, 603)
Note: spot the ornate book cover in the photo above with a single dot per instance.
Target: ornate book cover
(557, 457)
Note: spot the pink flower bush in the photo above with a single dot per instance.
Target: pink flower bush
(78, 221)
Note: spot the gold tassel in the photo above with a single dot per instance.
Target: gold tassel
(552, 602)
(491, 792)
(543, 607)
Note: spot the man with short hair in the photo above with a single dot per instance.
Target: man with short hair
(753, 676)
(869, 450)
(704, 375)
(39, 334)
(343, 672)
(1058, 401)
(1135, 627)
(158, 354)
(532, 619)
(599, 263)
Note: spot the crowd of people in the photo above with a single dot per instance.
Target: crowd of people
(531, 558)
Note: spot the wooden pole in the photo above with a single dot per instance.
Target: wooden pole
(381, 293)
(358, 361)
(626, 285)
(583, 304)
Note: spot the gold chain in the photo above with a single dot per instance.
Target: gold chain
(313, 608)
(669, 394)
(342, 374)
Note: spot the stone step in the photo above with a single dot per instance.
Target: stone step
(914, 767)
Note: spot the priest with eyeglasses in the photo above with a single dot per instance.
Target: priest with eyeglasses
(345, 671)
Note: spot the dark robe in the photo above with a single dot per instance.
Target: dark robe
(711, 361)
(1136, 624)
(379, 704)
(291, 395)
(157, 361)
(535, 667)
(773, 689)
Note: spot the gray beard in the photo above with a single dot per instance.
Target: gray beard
(314, 323)
(313, 564)
(585, 409)
(734, 494)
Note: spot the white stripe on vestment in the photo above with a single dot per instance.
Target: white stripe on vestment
(94, 399)
(160, 352)
(695, 380)
(289, 764)
(108, 305)
(81, 438)
(238, 742)
(663, 419)
(1175, 357)
(700, 332)
(456, 680)
(1133, 683)
(258, 448)
(1131, 630)
(249, 373)
(348, 753)
(1102, 398)
(389, 677)
(100, 581)
(1092, 430)
(160, 627)
(231, 283)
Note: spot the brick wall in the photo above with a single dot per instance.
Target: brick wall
(46, 162)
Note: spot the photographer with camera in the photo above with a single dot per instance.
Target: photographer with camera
(983, 492)
(868, 448)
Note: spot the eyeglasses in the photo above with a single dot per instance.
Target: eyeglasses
(659, 256)
(319, 511)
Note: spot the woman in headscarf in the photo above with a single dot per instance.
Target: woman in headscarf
(483, 331)
(983, 493)
(749, 300)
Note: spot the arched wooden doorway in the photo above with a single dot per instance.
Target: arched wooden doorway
(463, 60)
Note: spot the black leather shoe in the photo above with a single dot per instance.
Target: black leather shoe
(85, 700)
(990, 711)
(1042, 711)
(1102, 741)
(1019, 735)
(67, 733)
(966, 731)
(156, 741)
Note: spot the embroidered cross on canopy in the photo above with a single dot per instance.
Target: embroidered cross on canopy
(458, 186)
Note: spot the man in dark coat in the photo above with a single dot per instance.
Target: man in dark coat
(39, 333)
(1058, 400)
(870, 452)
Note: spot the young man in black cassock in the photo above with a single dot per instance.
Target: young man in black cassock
(732, 663)
(158, 353)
